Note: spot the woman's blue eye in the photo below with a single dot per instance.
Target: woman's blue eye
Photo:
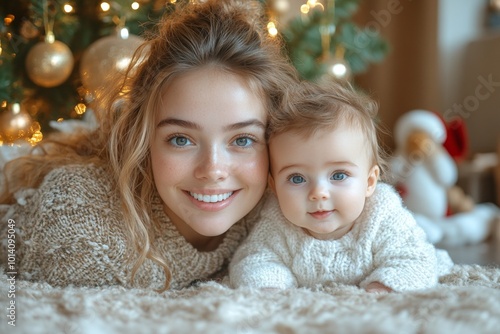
(244, 141)
(296, 179)
(338, 176)
(179, 141)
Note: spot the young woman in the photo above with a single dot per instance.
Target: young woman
(185, 162)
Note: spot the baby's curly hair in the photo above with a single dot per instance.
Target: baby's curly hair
(309, 107)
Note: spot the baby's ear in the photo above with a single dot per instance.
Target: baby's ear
(372, 180)
(270, 182)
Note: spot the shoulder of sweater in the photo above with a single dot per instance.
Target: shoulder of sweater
(384, 198)
(388, 191)
(78, 175)
(385, 208)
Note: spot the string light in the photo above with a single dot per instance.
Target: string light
(36, 137)
(80, 108)
(135, 5)
(105, 6)
(271, 28)
(8, 19)
(68, 8)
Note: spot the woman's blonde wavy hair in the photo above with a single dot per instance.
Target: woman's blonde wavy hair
(226, 34)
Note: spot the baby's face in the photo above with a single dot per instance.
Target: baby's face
(322, 182)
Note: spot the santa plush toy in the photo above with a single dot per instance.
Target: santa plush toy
(425, 174)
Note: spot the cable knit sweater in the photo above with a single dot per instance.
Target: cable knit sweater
(70, 231)
(385, 245)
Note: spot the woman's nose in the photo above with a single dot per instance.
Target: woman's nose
(213, 165)
(319, 192)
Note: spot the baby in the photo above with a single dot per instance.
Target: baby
(332, 220)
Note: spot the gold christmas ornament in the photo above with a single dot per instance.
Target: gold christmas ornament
(105, 61)
(16, 123)
(49, 64)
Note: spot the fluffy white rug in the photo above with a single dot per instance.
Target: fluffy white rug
(466, 301)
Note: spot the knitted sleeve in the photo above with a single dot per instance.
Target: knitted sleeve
(258, 262)
(402, 258)
(70, 233)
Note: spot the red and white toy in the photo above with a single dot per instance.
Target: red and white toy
(425, 174)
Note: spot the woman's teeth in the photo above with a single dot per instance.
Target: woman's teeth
(211, 198)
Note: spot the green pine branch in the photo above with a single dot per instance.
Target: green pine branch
(303, 38)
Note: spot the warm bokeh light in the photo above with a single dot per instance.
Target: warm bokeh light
(8, 19)
(271, 28)
(124, 33)
(105, 6)
(80, 108)
(68, 8)
(135, 5)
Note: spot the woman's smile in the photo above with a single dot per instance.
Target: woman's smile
(215, 202)
(211, 198)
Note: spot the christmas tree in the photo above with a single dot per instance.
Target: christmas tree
(54, 54)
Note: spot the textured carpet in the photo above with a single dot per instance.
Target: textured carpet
(466, 301)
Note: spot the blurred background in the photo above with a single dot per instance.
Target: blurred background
(440, 56)
(437, 55)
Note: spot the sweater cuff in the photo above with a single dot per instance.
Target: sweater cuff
(264, 277)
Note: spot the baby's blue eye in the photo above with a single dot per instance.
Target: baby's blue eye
(179, 141)
(244, 142)
(338, 176)
(296, 179)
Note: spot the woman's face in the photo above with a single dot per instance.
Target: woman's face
(209, 155)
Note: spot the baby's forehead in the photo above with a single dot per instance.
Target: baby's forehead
(313, 133)
(318, 137)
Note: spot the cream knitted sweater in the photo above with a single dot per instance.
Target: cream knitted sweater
(384, 245)
(70, 231)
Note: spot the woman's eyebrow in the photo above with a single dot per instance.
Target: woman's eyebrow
(178, 122)
(195, 126)
(244, 124)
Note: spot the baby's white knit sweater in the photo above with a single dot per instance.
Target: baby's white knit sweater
(385, 245)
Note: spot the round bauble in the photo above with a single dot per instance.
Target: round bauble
(49, 64)
(16, 123)
(105, 61)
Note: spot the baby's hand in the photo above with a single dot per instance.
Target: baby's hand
(377, 287)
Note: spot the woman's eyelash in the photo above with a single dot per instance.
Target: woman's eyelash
(248, 135)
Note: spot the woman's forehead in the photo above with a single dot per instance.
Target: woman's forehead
(201, 94)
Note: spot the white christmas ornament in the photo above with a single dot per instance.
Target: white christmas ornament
(105, 61)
